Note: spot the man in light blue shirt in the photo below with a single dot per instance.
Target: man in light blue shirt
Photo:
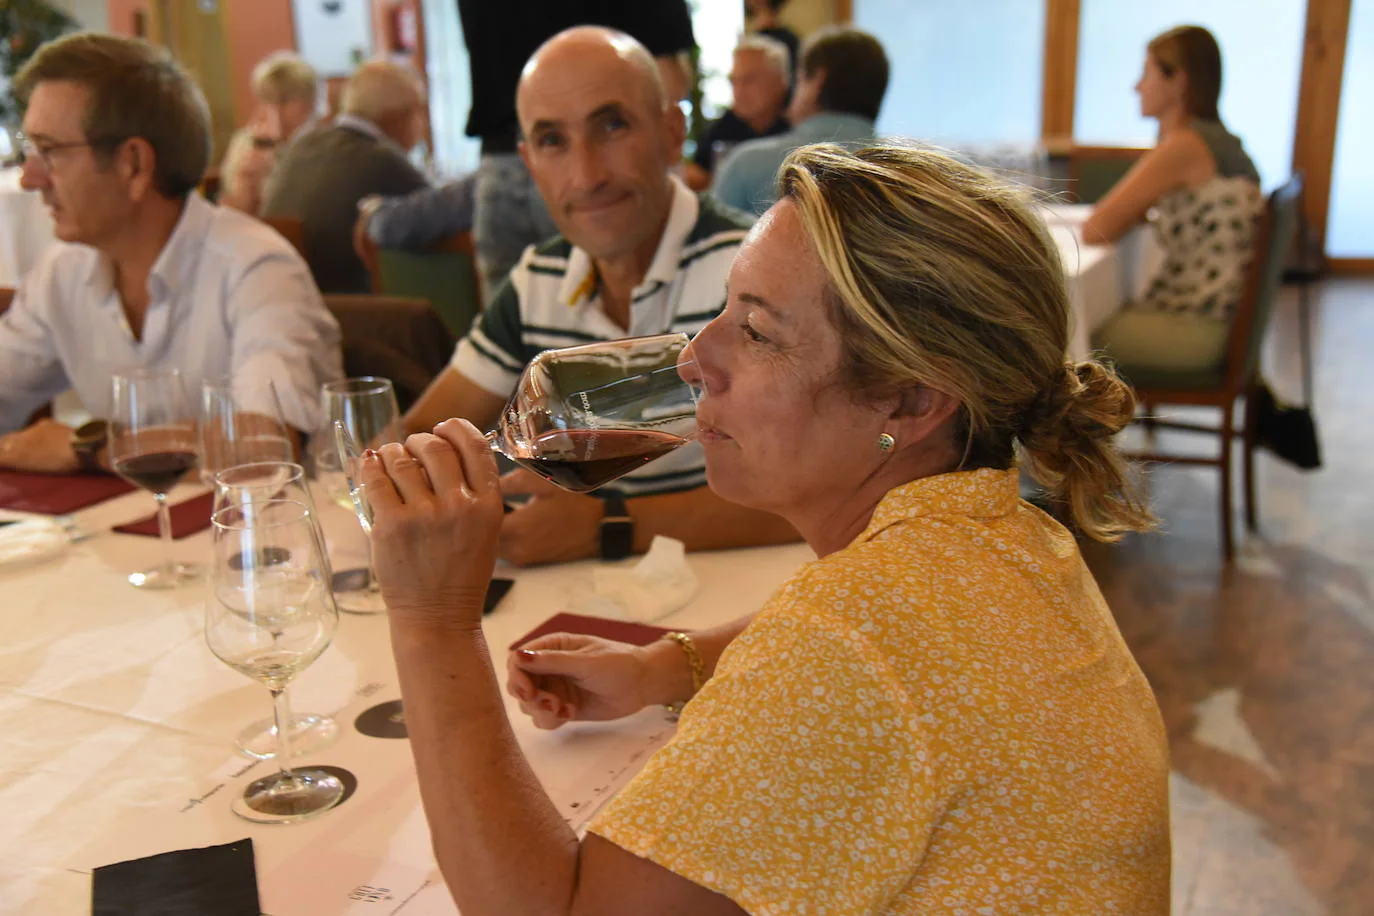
(149, 275)
(841, 79)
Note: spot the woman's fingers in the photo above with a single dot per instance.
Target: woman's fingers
(381, 492)
(439, 460)
(474, 455)
(406, 473)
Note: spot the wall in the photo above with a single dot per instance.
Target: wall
(253, 29)
(122, 13)
(92, 14)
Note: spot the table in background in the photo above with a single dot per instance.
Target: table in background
(25, 228)
(1102, 278)
(115, 720)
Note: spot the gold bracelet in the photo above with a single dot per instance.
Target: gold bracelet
(698, 666)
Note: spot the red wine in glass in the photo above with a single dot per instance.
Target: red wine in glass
(583, 459)
(156, 472)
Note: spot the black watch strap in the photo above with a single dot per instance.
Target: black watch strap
(617, 527)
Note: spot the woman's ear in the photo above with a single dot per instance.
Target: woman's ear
(920, 412)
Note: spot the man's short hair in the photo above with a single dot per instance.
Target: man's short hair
(379, 90)
(283, 76)
(775, 51)
(136, 90)
(855, 70)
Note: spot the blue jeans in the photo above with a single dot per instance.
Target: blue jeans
(510, 215)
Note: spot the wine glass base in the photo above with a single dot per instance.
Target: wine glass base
(176, 575)
(356, 592)
(279, 799)
(310, 732)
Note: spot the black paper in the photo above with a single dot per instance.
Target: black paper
(213, 881)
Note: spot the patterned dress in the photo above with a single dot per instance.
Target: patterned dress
(940, 718)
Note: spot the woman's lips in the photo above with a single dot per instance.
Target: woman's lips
(707, 433)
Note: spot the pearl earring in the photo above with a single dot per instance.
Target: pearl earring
(885, 442)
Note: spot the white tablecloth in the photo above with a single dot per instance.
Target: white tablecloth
(1101, 277)
(25, 228)
(116, 725)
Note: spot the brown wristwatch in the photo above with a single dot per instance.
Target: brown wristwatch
(87, 441)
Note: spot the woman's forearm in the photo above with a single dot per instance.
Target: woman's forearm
(500, 843)
(671, 669)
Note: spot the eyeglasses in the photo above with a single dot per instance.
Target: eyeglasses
(43, 152)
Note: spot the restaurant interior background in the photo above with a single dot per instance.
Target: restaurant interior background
(1264, 668)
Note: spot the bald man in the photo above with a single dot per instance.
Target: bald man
(363, 152)
(638, 254)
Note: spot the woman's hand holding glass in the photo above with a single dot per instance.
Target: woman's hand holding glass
(436, 504)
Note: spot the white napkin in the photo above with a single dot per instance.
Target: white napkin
(31, 541)
(660, 583)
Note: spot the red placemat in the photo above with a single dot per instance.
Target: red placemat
(57, 494)
(637, 634)
(188, 517)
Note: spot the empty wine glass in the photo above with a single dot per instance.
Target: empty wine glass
(268, 616)
(581, 416)
(153, 445)
(241, 423)
(366, 409)
(246, 486)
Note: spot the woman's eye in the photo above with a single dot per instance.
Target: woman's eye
(752, 334)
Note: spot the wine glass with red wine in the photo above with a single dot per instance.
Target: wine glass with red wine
(583, 416)
(153, 441)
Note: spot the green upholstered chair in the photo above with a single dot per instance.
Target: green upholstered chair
(1235, 376)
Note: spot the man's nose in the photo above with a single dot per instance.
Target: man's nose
(33, 175)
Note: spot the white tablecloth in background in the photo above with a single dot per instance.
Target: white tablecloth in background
(115, 719)
(25, 228)
(1102, 278)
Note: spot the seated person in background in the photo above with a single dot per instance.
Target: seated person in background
(762, 17)
(324, 174)
(939, 714)
(1205, 195)
(639, 254)
(287, 91)
(422, 218)
(758, 80)
(840, 86)
(116, 139)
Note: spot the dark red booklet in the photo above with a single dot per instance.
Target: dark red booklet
(637, 634)
(57, 494)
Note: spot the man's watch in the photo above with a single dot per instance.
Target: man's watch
(617, 527)
(87, 441)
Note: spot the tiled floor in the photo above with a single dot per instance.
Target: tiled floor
(1265, 671)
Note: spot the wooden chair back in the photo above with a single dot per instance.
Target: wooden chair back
(290, 228)
(445, 275)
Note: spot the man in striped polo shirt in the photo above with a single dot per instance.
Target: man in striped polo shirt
(639, 254)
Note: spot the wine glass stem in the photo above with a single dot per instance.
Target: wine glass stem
(372, 584)
(164, 530)
(281, 711)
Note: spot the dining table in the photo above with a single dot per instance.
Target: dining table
(26, 228)
(1101, 278)
(117, 723)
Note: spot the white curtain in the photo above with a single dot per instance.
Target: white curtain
(450, 93)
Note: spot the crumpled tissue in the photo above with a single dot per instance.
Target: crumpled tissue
(660, 583)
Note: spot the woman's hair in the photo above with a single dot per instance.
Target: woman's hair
(940, 276)
(134, 89)
(1192, 50)
(284, 76)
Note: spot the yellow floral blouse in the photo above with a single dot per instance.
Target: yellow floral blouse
(940, 718)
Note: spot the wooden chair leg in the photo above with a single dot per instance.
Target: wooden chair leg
(1147, 420)
(1248, 447)
(1227, 432)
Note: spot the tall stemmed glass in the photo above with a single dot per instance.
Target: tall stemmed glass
(153, 445)
(268, 616)
(366, 409)
(246, 486)
(583, 416)
(241, 423)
